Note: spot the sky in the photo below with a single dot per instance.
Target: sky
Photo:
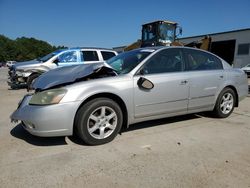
(109, 23)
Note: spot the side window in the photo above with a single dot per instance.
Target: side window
(70, 56)
(199, 60)
(107, 55)
(90, 56)
(169, 60)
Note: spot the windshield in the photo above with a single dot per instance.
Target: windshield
(164, 32)
(127, 61)
(48, 56)
(167, 32)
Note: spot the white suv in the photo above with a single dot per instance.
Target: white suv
(26, 72)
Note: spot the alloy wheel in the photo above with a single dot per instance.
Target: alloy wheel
(102, 122)
(227, 103)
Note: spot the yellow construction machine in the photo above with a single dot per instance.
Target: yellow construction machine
(164, 33)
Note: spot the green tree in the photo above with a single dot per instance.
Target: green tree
(24, 49)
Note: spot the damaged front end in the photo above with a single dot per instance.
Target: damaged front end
(19, 73)
(17, 78)
(72, 74)
(49, 92)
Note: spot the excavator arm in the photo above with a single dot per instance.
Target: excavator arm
(134, 45)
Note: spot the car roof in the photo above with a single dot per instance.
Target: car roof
(91, 48)
(158, 48)
(166, 47)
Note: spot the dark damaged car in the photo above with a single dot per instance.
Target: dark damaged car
(95, 101)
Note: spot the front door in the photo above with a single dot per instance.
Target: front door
(169, 94)
(69, 58)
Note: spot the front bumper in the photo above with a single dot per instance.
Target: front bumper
(46, 121)
(17, 78)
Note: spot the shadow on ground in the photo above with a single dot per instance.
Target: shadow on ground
(17, 87)
(164, 121)
(149, 124)
(20, 133)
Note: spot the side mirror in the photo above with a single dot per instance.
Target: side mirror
(144, 83)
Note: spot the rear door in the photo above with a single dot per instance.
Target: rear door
(170, 92)
(89, 56)
(205, 73)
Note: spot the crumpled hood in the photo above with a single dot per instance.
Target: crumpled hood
(26, 64)
(70, 74)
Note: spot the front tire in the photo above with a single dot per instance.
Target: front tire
(98, 121)
(31, 80)
(225, 103)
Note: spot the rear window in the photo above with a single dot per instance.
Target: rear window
(107, 55)
(89, 56)
(199, 60)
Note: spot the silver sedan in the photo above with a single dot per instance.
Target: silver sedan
(95, 101)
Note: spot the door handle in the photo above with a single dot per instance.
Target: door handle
(183, 82)
(221, 76)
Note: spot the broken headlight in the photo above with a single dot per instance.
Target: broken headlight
(52, 96)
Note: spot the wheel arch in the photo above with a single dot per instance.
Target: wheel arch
(30, 79)
(236, 94)
(34, 73)
(113, 97)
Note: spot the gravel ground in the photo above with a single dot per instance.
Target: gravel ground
(185, 151)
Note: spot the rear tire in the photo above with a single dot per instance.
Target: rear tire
(98, 121)
(225, 103)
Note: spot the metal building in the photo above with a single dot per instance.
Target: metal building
(233, 46)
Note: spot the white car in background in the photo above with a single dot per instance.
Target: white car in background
(25, 73)
(246, 69)
(10, 63)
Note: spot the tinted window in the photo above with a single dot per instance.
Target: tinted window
(169, 60)
(90, 56)
(107, 55)
(70, 56)
(199, 60)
